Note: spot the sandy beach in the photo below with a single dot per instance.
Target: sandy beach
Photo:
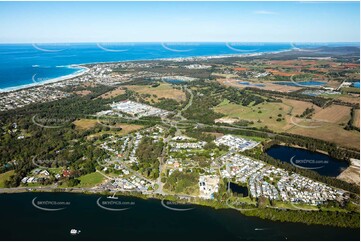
(80, 72)
(85, 69)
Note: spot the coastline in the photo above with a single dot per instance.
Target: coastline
(85, 69)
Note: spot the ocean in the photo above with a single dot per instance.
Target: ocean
(25, 64)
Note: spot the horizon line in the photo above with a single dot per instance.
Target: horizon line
(180, 42)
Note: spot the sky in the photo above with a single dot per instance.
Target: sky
(60, 22)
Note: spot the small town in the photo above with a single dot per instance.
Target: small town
(180, 120)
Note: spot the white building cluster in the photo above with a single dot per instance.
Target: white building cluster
(132, 183)
(240, 167)
(275, 183)
(175, 146)
(208, 185)
(198, 66)
(132, 156)
(21, 98)
(296, 188)
(138, 109)
(236, 143)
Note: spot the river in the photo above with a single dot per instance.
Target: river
(141, 220)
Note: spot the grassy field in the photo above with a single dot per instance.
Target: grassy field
(349, 98)
(90, 123)
(326, 124)
(350, 89)
(285, 205)
(356, 119)
(83, 93)
(126, 129)
(215, 134)
(114, 93)
(247, 200)
(257, 139)
(91, 179)
(334, 114)
(298, 107)
(330, 132)
(267, 113)
(164, 90)
(85, 123)
(56, 170)
(4, 177)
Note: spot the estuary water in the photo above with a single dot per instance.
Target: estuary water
(23, 218)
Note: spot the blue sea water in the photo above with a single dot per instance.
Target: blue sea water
(24, 64)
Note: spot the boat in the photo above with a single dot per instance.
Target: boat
(112, 197)
(74, 231)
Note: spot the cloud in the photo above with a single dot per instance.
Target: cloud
(264, 12)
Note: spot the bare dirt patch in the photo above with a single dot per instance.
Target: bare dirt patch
(226, 120)
(279, 88)
(356, 118)
(352, 173)
(240, 69)
(281, 73)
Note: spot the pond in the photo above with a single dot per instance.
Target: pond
(235, 188)
(302, 83)
(309, 160)
(251, 84)
(174, 81)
